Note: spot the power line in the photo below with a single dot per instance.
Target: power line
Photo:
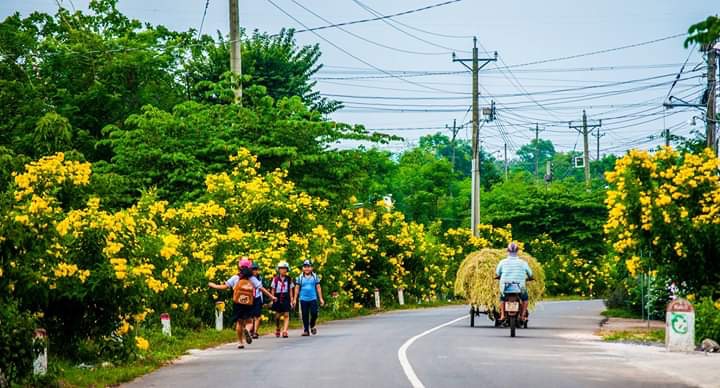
(564, 58)
(366, 39)
(346, 52)
(202, 22)
(334, 25)
(551, 91)
(393, 26)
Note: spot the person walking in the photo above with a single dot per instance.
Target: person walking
(257, 304)
(282, 288)
(244, 286)
(309, 292)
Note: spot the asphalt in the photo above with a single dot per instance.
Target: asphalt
(557, 350)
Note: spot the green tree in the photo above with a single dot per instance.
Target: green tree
(93, 69)
(564, 211)
(461, 152)
(174, 150)
(704, 33)
(529, 152)
(273, 61)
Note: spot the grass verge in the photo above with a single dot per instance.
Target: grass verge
(620, 313)
(644, 336)
(162, 350)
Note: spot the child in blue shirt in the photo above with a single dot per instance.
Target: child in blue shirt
(309, 292)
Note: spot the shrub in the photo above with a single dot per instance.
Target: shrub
(17, 348)
(707, 320)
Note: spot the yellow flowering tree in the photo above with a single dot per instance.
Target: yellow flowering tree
(664, 215)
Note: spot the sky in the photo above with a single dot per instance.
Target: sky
(386, 72)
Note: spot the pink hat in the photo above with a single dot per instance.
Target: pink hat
(245, 262)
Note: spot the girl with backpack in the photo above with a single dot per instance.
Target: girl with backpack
(282, 288)
(308, 290)
(244, 286)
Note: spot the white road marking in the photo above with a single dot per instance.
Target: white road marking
(402, 353)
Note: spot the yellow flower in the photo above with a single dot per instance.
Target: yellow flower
(141, 343)
(186, 306)
(124, 328)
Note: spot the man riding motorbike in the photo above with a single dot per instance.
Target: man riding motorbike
(513, 270)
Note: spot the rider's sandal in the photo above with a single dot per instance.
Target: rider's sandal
(285, 334)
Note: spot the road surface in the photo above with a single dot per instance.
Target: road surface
(421, 348)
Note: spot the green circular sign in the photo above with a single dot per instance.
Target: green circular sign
(679, 323)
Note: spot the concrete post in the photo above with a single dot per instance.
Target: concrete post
(401, 296)
(219, 310)
(165, 320)
(377, 298)
(40, 364)
(680, 326)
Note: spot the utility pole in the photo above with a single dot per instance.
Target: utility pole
(584, 130)
(235, 53)
(537, 152)
(454, 130)
(598, 135)
(506, 163)
(710, 116)
(476, 67)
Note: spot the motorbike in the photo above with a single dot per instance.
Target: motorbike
(514, 314)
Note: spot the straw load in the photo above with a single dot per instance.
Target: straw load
(476, 281)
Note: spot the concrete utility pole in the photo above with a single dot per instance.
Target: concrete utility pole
(476, 67)
(598, 135)
(454, 130)
(584, 129)
(710, 115)
(537, 152)
(506, 163)
(235, 53)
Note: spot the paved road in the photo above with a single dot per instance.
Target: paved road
(556, 351)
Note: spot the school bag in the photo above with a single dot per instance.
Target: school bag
(244, 292)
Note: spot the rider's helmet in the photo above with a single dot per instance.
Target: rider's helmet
(512, 247)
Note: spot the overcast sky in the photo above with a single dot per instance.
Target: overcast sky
(520, 31)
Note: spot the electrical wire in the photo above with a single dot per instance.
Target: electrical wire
(353, 55)
(364, 39)
(202, 22)
(393, 26)
(564, 58)
(334, 25)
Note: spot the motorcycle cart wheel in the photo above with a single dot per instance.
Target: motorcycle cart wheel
(525, 324)
(496, 318)
(472, 316)
(513, 325)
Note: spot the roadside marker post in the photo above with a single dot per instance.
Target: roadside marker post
(40, 364)
(165, 320)
(680, 326)
(401, 296)
(377, 298)
(219, 310)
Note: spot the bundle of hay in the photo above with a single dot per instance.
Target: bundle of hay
(476, 282)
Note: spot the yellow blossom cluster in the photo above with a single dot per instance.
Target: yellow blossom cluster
(662, 204)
